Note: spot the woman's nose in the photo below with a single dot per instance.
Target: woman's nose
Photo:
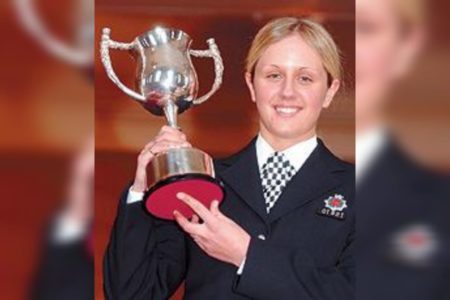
(288, 89)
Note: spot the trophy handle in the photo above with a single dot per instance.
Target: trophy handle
(214, 53)
(107, 43)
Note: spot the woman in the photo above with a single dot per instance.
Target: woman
(285, 229)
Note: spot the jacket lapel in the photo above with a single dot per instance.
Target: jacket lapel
(243, 177)
(313, 179)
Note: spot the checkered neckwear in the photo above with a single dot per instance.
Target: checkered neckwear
(275, 175)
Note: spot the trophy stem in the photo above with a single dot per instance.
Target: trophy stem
(171, 112)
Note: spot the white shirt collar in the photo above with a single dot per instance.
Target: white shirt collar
(296, 154)
(367, 146)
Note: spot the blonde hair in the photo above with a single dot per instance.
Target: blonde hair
(314, 34)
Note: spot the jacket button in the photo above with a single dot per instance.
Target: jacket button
(262, 237)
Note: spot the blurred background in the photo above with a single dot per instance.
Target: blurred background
(46, 116)
(402, 158)
(411, 95)
(225, 123)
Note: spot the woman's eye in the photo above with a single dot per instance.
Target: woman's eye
(305, 79)
(274, 76)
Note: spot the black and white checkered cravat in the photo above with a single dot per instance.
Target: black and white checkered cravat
(275, 175)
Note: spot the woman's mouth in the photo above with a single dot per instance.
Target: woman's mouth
(287, 111)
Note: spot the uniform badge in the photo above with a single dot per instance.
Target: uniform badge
(334, 207)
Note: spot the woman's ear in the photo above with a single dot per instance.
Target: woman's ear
(248, 80)
(331, 92)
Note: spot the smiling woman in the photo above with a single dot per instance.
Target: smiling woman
(285, 229)
(293, 71)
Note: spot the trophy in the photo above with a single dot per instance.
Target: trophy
(167, 85)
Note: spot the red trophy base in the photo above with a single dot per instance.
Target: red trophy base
(161, 200)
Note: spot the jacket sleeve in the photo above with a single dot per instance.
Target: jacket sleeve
(274, 272)
(146, 256)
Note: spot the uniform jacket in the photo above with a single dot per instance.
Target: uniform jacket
(296, 252)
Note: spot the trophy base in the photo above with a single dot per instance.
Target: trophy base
(161, 200)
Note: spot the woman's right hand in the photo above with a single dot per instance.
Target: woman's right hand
(168, 137)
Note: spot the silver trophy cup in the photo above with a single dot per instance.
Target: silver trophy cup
(167, 84)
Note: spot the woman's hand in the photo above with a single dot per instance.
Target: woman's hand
(167, 138)
(219, 236)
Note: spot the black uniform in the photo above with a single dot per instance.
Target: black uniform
(298, 251)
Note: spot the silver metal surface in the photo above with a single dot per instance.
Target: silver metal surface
(180, 161)
(166, 80)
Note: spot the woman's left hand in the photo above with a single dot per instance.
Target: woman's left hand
(219, 236)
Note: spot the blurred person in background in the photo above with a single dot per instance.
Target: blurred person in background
(66, 269)
(403, 228)
(285, 238)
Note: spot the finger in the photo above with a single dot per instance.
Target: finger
(196, 206)
(144, 158)
(170, 139)
(200, 244)
(173, 144)
(196, 238)
(195, 219)
(214, 208)
(163, 131)
(201, 241)
(170, 130)
(172, 134)
(192, 229)
(149, 145)
(144, 154)
(166, 128)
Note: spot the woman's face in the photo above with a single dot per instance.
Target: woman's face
(290, 89)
